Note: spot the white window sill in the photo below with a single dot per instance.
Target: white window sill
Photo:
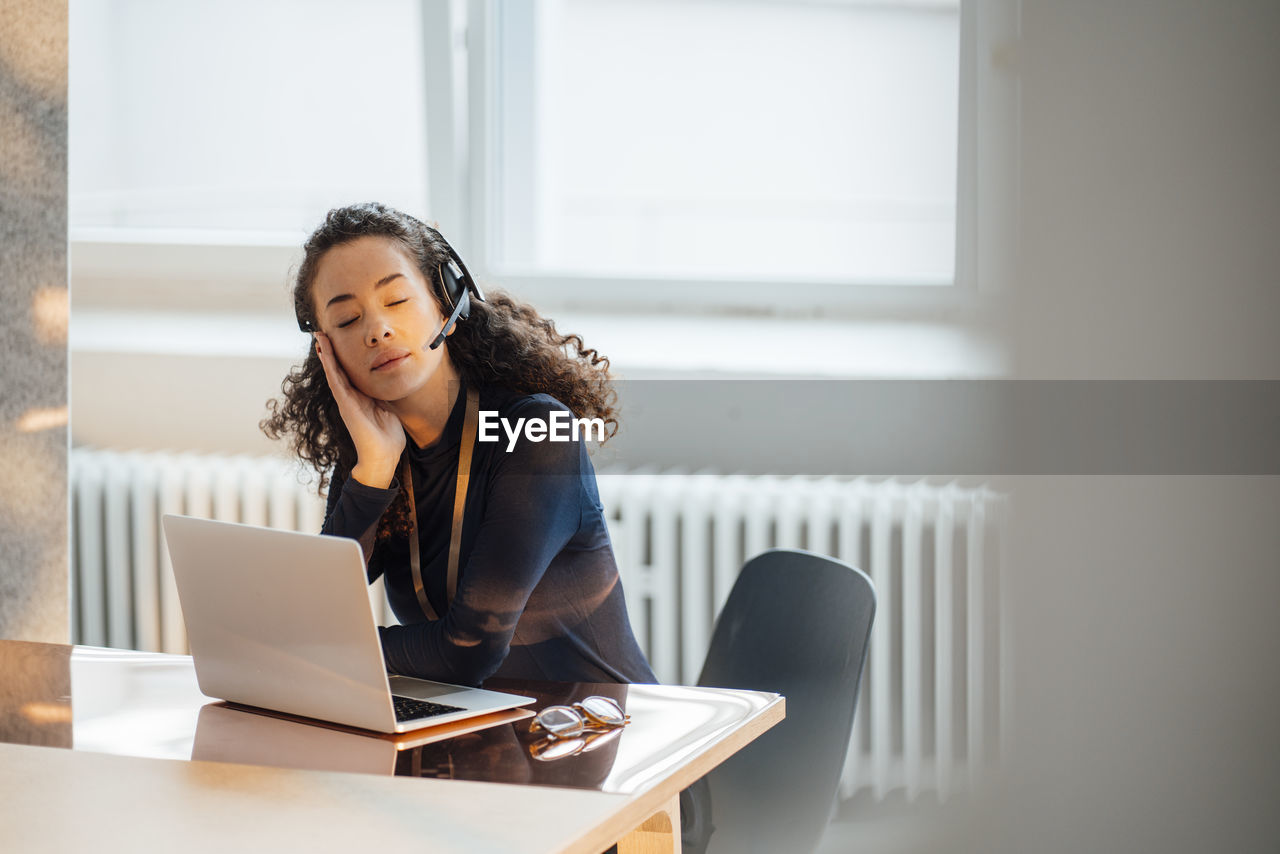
(639, 346)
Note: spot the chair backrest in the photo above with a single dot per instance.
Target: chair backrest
(796, 623)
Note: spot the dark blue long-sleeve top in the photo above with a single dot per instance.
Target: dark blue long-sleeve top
(538, 593)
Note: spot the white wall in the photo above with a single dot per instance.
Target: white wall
(1147, 678)
(1150, 190)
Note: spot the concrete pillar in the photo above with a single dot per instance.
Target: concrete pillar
(33, 320)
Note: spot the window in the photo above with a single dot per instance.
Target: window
(241, 116)
(765, 139)
(757, 155)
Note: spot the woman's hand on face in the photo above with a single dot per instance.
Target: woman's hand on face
(376, 430)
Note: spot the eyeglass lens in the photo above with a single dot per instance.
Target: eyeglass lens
(603, 710)
(560, 720)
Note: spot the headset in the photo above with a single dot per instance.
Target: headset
(457, 285)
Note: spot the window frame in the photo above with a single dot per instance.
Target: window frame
(987, 110)
(133, 268)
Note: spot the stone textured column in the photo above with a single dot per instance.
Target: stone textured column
(33, 320)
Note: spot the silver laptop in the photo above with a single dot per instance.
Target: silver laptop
(282, 621)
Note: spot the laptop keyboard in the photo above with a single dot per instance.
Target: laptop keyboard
(408, 709)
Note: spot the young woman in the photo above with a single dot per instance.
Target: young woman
(498, 565)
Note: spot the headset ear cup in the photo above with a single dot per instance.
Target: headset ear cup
(453, 289)
(458, 285)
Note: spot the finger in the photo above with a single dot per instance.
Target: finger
(338, 380)
(331, 373)
(354, 405)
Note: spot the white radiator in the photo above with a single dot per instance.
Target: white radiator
(935, 693)
(123, 593)
(935, 698)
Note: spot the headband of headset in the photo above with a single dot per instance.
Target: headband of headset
(456, 284)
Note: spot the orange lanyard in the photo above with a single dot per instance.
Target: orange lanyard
(469, 426)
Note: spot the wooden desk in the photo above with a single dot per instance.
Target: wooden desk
(134, 722)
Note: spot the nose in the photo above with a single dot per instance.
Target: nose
(378, 329)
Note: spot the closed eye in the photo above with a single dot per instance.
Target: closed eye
(344, 324)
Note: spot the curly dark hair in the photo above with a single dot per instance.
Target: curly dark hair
(504, 342)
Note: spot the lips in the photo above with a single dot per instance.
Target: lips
(388, 359)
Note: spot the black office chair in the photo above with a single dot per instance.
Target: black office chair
(796, 623)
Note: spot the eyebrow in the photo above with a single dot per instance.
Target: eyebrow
(385, 280)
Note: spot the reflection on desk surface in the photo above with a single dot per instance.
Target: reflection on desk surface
(667, 724)
(144, 704)
(35, 694)
(228, 733)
